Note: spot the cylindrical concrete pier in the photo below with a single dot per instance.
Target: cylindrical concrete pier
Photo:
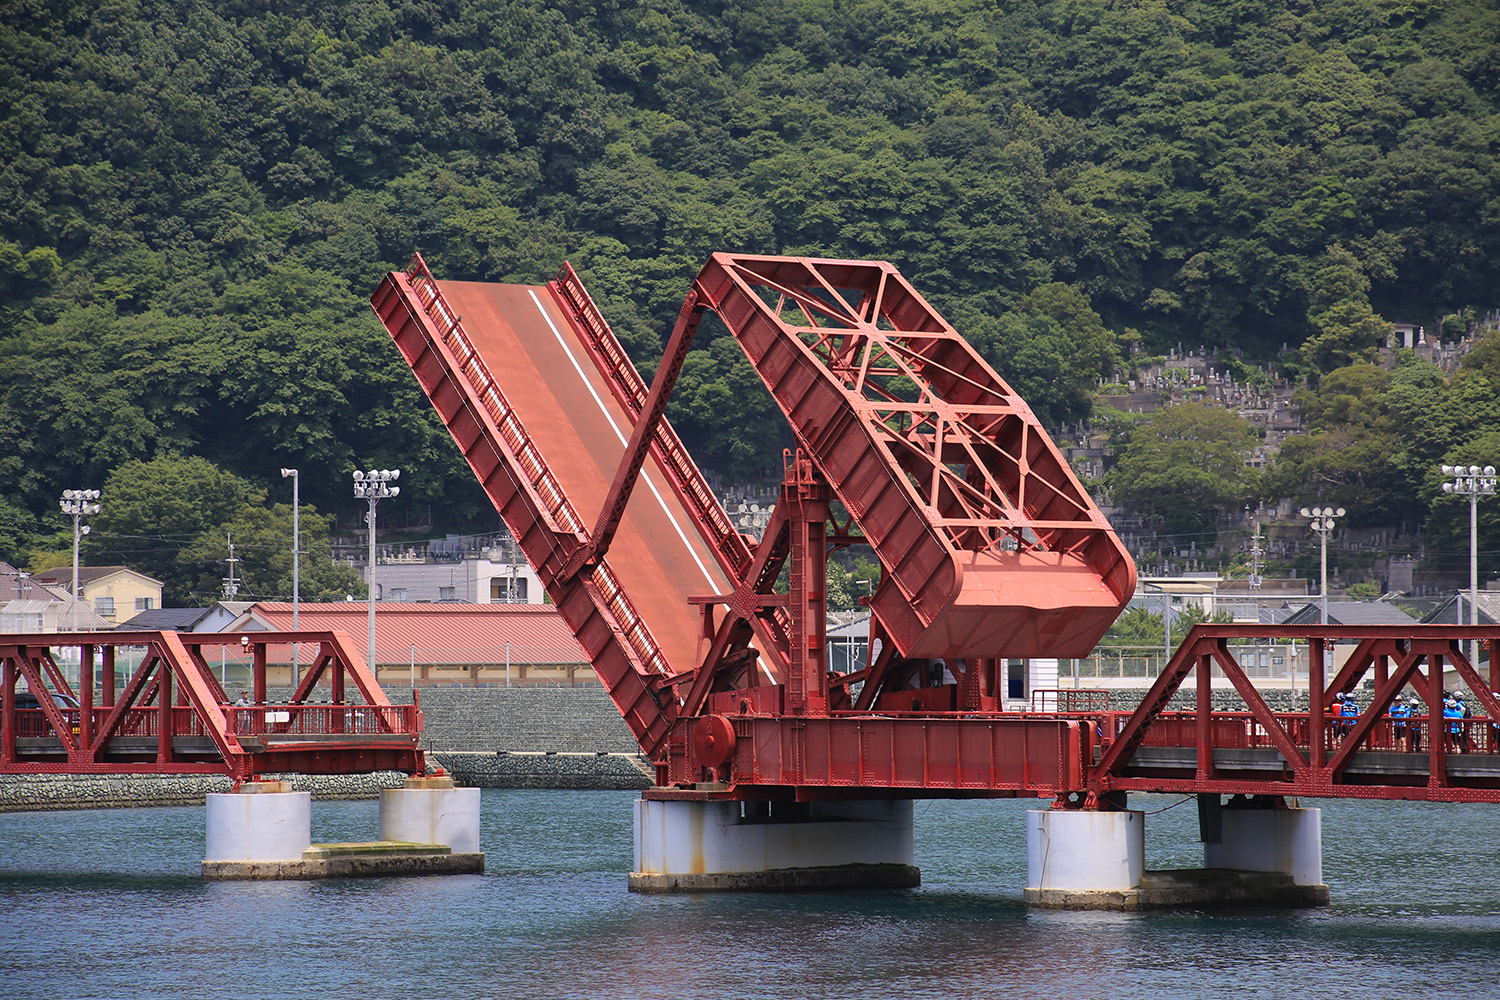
(263, 821)
(1286, 840)
(704, 846)
(431, 811)
(1084, 850)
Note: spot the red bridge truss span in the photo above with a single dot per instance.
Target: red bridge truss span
(161, 709)
(907, 441)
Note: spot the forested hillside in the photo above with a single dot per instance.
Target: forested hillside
(196, 199)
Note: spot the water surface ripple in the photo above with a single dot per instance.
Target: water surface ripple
(108, 904)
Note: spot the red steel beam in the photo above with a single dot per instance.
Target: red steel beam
(143, 731)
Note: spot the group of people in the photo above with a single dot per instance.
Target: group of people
(1404, 715)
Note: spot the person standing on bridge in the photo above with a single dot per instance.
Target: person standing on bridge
(1348, 711)
(1495, 728)
(1399, 713)
(1454, 717)
(1413, 727)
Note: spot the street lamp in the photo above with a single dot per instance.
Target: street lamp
(1322, 523)
(374, 486)
(76, 503)
(296, 567)
(1473, 482)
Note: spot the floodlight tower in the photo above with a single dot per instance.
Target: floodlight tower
(76, 503)
(1322, 523)
(1473, 482)
(373, 487)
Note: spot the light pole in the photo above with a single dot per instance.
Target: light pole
(374, 486)
(1473, 482)
(76, 503)
(1322, 523)
(296, 567)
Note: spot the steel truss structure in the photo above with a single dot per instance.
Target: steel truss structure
(169, 714)
(1316, 752)
(906, 441)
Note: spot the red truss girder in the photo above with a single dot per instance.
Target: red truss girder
(1260, 752)
(990, 545)
(170, 715)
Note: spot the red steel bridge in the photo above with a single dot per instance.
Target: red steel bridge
(161, 710)
(990, 548)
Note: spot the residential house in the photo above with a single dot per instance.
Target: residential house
(471, 569)
(1349, 613)
(29, 605)
(116, 593)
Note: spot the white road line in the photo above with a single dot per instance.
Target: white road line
(713, 584)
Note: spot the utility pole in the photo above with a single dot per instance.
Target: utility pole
(231, 587)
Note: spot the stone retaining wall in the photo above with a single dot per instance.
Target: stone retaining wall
(41, 792)
(613, 771)
(560, 719)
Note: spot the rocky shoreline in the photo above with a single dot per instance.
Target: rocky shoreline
(49, 792)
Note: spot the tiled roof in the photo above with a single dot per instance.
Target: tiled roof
(164, 620)
(87, 574)
(442, 633)
(1351, 613)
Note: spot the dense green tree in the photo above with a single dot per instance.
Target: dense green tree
(150, 510)
(262, 540)
(1185, 466)
(1347, 329)
(195, 200)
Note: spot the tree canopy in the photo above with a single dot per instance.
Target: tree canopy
(195, 199)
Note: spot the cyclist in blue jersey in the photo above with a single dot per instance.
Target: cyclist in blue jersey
(1348, 712)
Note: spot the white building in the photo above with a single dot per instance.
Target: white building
(470, 569)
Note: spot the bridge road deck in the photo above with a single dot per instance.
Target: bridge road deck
(581, 429)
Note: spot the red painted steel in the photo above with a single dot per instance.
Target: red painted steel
(172, 716)
(1312, 753)
(910, 442)
(989, 543)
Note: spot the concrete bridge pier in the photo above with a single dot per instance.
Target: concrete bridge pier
(697, 846)
(263, 831)
(1263, 834)
(431, 810)
(1257, 852)
(265, 821)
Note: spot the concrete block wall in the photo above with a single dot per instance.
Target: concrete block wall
(560, 719)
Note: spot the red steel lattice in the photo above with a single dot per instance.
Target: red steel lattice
(171, 715)
(909, 441)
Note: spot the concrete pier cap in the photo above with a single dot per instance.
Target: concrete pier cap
(698, 846)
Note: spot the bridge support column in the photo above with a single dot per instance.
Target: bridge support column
(263, 821)
(1259, 839)
(431, 810)
(707, 846)
(1084, 858)
(1256, 854)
